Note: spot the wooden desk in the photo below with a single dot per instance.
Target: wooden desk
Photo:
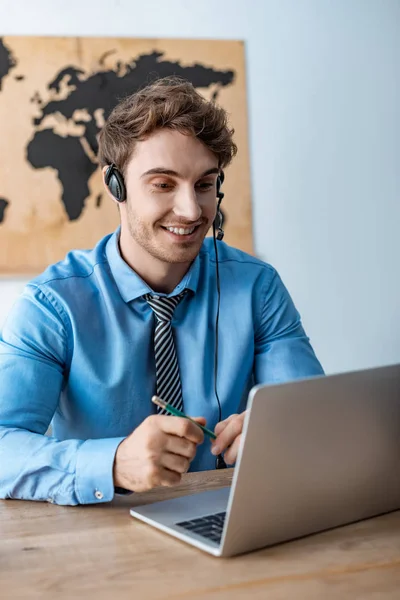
(49, 551)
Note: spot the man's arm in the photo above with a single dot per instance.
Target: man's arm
(34, 347)
(282, 349)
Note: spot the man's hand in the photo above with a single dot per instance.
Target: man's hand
(157, 453)
(229, 433)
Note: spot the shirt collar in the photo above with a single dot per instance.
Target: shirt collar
(131, 286)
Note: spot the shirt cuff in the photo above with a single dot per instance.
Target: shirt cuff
(94, 482)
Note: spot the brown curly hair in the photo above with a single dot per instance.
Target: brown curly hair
(169, 102)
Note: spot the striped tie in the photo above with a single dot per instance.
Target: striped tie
(167, 371)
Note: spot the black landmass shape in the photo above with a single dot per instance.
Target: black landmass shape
(3, 205)
(74, 168)
(70, 73)
(7, 61)
(101, 90)
(105, 88)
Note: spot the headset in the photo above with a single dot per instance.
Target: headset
(114, 181)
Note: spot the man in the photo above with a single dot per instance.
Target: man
(96, 335)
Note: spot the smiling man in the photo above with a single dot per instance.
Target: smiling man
(95, 336)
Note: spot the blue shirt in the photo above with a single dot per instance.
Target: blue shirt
(77, 352)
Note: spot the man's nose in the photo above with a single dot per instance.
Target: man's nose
(186, 205)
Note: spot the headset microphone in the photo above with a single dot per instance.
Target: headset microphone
(219, 219)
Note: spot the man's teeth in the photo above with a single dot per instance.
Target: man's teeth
(180, 230)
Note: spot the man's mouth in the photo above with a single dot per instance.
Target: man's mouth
(181, 230)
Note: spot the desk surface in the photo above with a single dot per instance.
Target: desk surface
(49, 551)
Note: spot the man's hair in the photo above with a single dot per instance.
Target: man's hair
(171, 103)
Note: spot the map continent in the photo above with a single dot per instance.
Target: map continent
(7, 61)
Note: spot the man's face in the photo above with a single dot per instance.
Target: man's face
(171, 195)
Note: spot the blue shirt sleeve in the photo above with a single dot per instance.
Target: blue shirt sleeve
(282, 350)
(33, 358)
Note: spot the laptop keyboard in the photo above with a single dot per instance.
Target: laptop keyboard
(209, 527)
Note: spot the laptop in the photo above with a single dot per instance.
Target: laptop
(315, 454)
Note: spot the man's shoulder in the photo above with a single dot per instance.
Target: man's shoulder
(78, 265)
(235, 258)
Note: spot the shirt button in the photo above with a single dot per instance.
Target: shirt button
(99, 495)
(50, 500)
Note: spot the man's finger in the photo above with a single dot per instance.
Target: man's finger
(200, 420)
(228, 435)
(169, 478)
(182, 428)
(174, 462)
(222, 425)
(231, 454)
(180, 446)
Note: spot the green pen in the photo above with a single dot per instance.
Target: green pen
(178, 413)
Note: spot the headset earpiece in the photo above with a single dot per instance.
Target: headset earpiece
(115, 182)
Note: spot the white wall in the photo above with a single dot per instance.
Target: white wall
(324, 101)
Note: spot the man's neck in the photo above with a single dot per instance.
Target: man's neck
(160, 276)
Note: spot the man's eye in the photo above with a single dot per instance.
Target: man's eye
(162, 186)
(205, 186)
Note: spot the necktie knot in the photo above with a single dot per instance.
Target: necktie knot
(162, 306)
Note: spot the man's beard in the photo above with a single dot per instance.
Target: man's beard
(151, 243)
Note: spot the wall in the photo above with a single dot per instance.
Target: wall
(324, 102)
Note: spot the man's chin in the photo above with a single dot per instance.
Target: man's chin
(182, 253)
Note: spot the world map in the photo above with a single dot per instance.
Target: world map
(86, 99)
